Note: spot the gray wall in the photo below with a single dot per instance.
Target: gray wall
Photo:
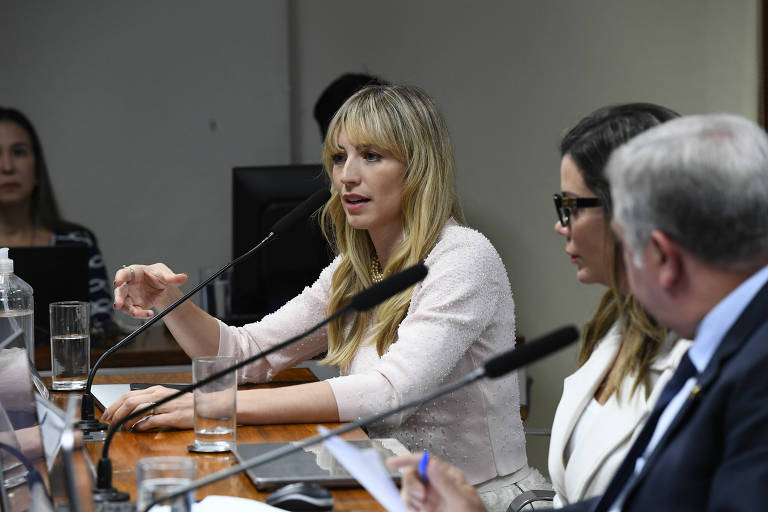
(144, 107)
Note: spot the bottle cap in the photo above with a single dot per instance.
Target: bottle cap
(6, 264)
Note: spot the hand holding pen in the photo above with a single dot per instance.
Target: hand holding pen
(431, 484)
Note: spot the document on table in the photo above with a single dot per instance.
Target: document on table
(214, 503)
(366, 467)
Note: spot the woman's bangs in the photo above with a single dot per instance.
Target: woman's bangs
(361, 133)
(371, 130)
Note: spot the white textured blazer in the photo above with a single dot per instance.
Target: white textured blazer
(594, 460)
(460, 315)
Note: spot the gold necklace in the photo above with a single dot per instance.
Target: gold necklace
(376, 274)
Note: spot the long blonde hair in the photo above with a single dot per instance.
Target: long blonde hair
(404, 121)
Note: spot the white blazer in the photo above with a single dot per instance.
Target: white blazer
(595, 459)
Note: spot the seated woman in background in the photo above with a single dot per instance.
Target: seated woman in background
(29, 215)
(626, 359)
(393, 204)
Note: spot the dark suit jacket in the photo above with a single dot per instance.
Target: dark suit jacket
(714, 456)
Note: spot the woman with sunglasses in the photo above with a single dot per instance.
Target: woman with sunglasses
(625, 359)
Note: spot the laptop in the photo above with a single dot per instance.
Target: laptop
(313, 464)
(55, 274)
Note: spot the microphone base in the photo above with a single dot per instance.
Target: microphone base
(109, 495)
(93, 430)
(94, 437)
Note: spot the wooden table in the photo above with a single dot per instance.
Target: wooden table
(128, 447)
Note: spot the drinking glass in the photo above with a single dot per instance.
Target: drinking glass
(215, 405)
(156, 476)
(70, 344)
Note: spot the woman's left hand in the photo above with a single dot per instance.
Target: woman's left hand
(178, 413)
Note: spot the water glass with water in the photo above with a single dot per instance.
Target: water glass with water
(70, 344)
(157, 476)
(215, 405)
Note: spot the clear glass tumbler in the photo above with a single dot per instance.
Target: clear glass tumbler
(215, 405)
(157, 476)
(70, 344)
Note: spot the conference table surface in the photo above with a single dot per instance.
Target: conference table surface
(127, 448)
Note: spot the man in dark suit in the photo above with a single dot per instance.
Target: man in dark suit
(692, 211)
(691, 206)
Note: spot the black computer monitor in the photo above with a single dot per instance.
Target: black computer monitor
(280, 270)
(55, 273)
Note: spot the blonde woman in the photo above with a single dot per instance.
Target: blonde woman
(393, 203)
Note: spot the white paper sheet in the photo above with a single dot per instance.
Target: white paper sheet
(215, 503)
(367, 468)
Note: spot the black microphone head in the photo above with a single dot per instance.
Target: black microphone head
(531, 351)
(380, 292)
(301, 212)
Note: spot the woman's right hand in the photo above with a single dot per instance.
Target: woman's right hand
(147, 287)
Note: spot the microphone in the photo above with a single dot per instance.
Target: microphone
(378, 292)
(300, 212)
(363, 301)
(494, 368)
(88, 422)
(527, 353)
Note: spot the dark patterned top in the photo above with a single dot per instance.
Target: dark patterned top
(101, 293)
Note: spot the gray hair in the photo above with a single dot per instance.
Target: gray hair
(703, 180)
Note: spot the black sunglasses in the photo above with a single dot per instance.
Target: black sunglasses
(566, 205)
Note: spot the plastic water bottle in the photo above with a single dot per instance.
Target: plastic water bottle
(16, 309)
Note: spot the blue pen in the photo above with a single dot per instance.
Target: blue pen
(423, 466)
